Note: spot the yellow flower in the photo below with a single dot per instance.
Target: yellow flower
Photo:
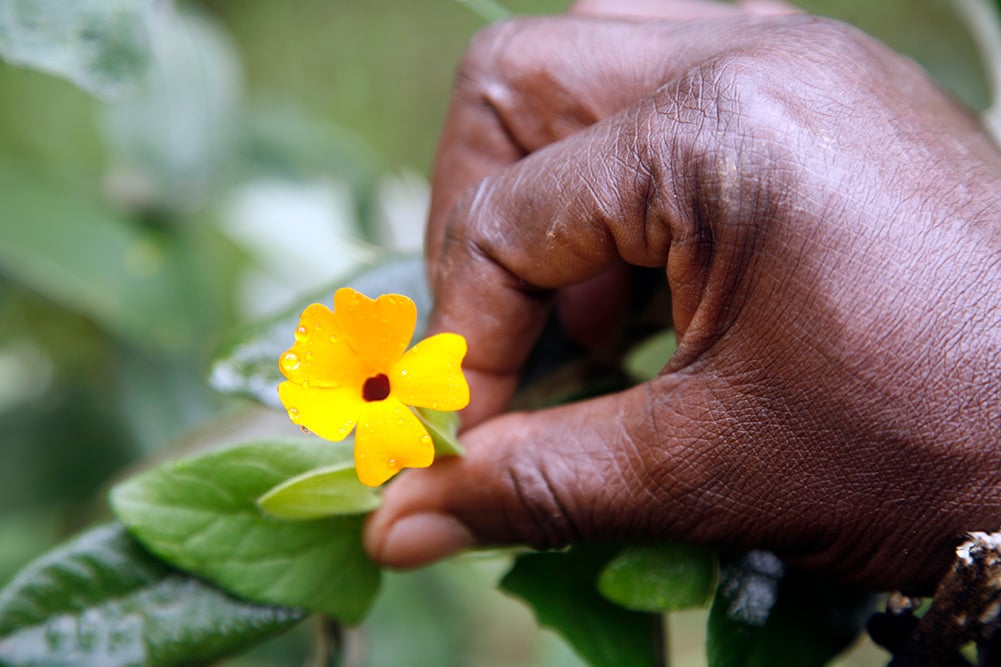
(351, 366)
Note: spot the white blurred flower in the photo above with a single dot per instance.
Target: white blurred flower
(403, 201)
(299, 236)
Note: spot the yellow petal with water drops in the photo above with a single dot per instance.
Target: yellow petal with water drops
(377, 330)
(321, 356)
(329, 413)
(430, 375)
(389, 439)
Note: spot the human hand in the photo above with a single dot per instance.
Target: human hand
(827, 222)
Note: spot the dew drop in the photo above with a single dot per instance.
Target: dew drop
(425, 439)
(403, 372)
(293, 413)
(301, 333)
(290, 361)
(342, 432)
(333, 339)
(391, 463)
(400, 421)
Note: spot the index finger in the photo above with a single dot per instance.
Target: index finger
(528, 83)
(564, 213)
(556, 218)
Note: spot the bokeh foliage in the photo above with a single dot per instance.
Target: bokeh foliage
(237, 157)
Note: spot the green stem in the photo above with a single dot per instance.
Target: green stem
(328, 643)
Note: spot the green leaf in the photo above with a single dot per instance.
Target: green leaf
(318, 493)
(442, 427)
(134, 281)
(100, 45)
(190, 98)
(661, 577)
(645, 361)
(200, 514)
(247, 363)
(764, 616)
(560, 588)
(101, 599)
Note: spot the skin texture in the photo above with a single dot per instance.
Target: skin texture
(827, 223)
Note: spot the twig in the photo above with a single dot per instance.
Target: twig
(966, 608)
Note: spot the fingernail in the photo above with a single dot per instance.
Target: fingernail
(424, 538)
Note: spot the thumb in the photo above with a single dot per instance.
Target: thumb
(595, 469)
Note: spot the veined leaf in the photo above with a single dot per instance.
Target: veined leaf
(102, 600)
(200, 514)
(318, 493)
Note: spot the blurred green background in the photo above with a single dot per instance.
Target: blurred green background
(269, 147)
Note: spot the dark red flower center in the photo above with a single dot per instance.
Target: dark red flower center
(376, 388)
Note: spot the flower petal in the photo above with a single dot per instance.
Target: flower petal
(321, 355)
(430, 375)
(389, 439)
(378, 331)
(329, 413)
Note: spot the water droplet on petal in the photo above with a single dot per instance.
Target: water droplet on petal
(425, 439)
(403, 372)
(391, 463)
(290, 361)
(333, 339)
(343, 431)
(293, 413)
(301, 333)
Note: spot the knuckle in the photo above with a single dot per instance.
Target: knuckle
(489, 59)
(536, 508)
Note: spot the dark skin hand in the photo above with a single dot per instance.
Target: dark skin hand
(829, 226)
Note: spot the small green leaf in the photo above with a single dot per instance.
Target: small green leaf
(442, 427)
(101, 46)
(763, 616)
(200, 514)
(645, 361)
(247, 363)
(661, 577)
(101, 600)
(318, 493)
(560, 588)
